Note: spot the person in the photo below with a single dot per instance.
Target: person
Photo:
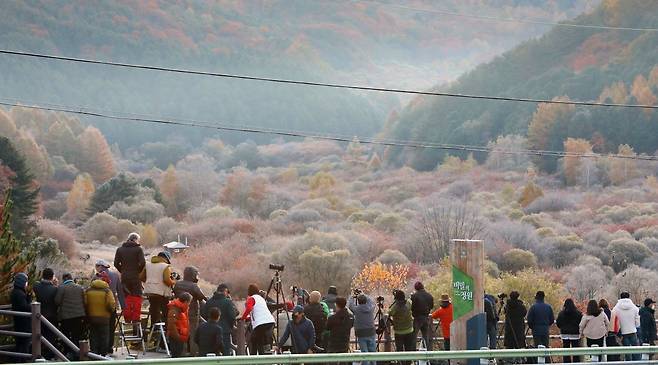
(158, 282)
(70, 300)
(364, 324)
(568, 321)
(330, 298)
(178, 325)
(190, 285)
(540, 318)
(648, 322)
(594, 325)
(20, 302)
(283, 317)
(611, 338)
(625, 320)
(302, 332)
(129, 261)
(262, 321)
(492, 320)
(209, 336)
(44, 292)
(515, 312)
(422, 304)
(101, 267)
(340, 326)
(444, 315)
(315, 312)
(100, 304)
(228, 312)
(403, 323)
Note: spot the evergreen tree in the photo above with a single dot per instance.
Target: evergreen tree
(25, 190)
(118, 188)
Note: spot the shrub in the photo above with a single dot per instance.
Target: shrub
(167, 228)
(646, 232)
(103, 225)
(64, 236)
(279, 213)
(640, 283)
(549, 203)
(147, 211)
(218, 211)
(515, 234)
(320, 269)
(303, 216)
(367, 215)
(392, 257)
(562, 250)
(627, 252)
(217, 230)
(527, 283)
(516, 260)
(460, 189)
(380, 279)
(390, 222)
(529, 194)
(587, 282)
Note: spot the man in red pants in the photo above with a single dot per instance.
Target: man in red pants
(129, 261)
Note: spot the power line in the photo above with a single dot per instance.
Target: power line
(506, 20)
(320, 84)
(284, 133)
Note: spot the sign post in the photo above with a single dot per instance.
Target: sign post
(468, 330)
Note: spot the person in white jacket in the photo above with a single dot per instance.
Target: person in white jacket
(626, 320)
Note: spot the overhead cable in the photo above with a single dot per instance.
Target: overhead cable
(329, 137)
(321, 84)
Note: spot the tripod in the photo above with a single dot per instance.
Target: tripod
(381, 323)
(280, 303)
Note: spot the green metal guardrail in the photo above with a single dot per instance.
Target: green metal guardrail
(391, 356)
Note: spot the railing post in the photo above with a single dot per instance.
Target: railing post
(356, 362)
(36, 330)
(240, 339)
(645, 356)
(541, 359)
(484, 361)
(84, 350)
(595, 358)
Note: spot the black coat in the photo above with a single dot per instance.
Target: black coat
(226, 307)
(45, 292)
(340, 326)
(647, 325)
(20, 302)
(209, 338)
(515, 312)
(569, 322)
(129, 261)
(422, 303)
(315, 313)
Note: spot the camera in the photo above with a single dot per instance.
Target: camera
(277, 267)
(380, 300)
(502, 296)
(356, 292)
(175, 276)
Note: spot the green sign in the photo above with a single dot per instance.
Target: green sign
(462, 293)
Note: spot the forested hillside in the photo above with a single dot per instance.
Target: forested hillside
(340, 41)
(577, 63)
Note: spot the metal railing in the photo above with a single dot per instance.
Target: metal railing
(483, 355)
(37, 320)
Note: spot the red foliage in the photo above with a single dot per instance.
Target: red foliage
(596, 50)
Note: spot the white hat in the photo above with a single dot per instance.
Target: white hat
(102, 263)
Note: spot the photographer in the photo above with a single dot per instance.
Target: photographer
(315, 311)
(403, 323)
(422, 303)
(492, 318)
(262, 320)
(340, 326)
(444, 315)
(364, 322)
(330, 298)
(302, 332)
(158, 282)
(515, 312)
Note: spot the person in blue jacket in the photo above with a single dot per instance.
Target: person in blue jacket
(302, 332)
(540, 318)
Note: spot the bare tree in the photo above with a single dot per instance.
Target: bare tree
(438, 225)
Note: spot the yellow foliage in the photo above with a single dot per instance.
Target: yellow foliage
(169, 185)
(289, 175)
(322, 181)
(573, 164)
(149, 236)
(80, 195)
(616, 92)
(377, 278)
(622, 169)
(454, 164)
(530, 192)
(642, 92)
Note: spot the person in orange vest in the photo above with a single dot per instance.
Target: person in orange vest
(178, 325)
(444, 315)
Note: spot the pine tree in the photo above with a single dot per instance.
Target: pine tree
(643, 93)
(375, 162)
(96, 157)
(61, 141)
(35, 156)
(13, 257)
(25, 190)
(540, 130)
(79, 196)
(118, 188)
(7, 125)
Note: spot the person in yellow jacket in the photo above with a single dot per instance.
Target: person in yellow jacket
(158, 281)
(99, 303)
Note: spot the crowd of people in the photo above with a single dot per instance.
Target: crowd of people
(196, 325)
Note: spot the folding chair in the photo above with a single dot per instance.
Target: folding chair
(161, 337)
(131, 333)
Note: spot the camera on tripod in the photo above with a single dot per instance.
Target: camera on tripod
(277, 267)
(380, 300)
(356, 292)
(175, 276)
